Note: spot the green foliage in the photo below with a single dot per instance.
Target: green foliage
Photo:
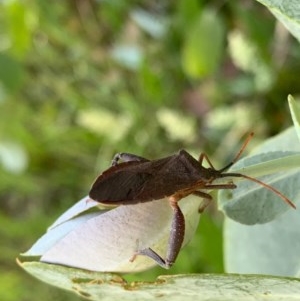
(201, 54)
(105, 286)
(253, 204)
(263, 242)
(295, 112)
(80, 81)
(286, 12)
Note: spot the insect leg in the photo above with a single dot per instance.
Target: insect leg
(176, 233)
(175, 239)
(204, 156)
(220, 186)
(126, 157)
(207, 198)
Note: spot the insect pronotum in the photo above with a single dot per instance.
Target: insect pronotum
(138, 179)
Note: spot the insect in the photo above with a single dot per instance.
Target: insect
(138, 179)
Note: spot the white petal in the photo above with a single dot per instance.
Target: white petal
(107, 241)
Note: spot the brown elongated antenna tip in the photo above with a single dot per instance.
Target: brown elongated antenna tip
(289, 202)
(249, 137)
(283, 197)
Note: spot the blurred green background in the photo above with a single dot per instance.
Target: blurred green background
(82, 80)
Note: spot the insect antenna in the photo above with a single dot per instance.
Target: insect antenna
(237, 156)
(238, 175)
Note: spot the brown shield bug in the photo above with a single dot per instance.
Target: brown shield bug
(138, 180)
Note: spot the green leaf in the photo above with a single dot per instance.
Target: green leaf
(203, 46)
(263, 248)
(272, 248)
(11, 73)
(186, 14)
(287, 12)
(252, 203)
(20, 19)
(295, 112)
(104, 286)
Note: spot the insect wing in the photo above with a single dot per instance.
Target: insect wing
(120, 183)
